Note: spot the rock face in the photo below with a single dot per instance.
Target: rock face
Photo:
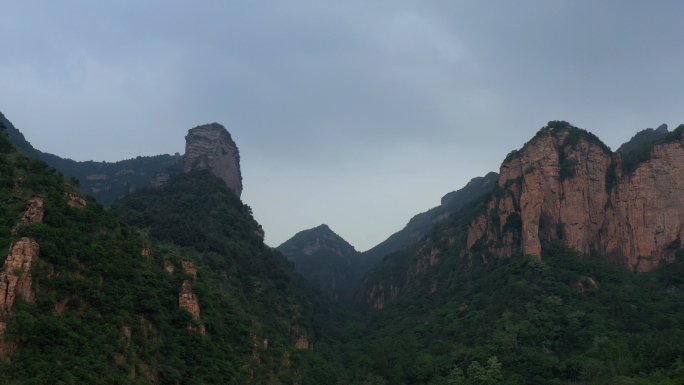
(565, 184)
(34, 210)
(15, 278)
(211, 146)
(189, 300)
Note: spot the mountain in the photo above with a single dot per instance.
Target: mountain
(536, 281)
(334, 266)
(563, 185)
(105, 181)
(189, 295)
(530, 283)
(642, 137)
(421, 223)
(324, 259)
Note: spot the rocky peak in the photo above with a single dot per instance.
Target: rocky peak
(566, 185)
(308, 242)
(642, 137)
(211, 146)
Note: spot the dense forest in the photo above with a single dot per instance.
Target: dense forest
(107, 284)
(107, 302)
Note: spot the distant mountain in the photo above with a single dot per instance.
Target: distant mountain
(104, 181)
(334, 266)
(324, 259)
(642, 137)
(421, 223)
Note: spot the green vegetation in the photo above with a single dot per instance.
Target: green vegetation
(94, 285)
(105, 312)
(631, 160)
(568, 318)
(325, 260)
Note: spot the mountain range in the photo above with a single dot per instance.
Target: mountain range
(566, 267)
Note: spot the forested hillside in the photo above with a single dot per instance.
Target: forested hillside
(174, 285)
(98, 301)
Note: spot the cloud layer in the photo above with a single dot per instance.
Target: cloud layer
(356, 114)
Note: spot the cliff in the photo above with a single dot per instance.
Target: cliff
(566, 185)
(211, 146)
(188, 300)
(563, 185)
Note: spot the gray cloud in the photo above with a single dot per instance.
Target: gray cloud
(357, 114)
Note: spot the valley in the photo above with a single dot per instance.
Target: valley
(565, 267)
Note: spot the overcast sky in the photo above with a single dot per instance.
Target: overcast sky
(357, 114)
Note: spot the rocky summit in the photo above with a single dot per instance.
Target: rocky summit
(567, 185)
(211, 146)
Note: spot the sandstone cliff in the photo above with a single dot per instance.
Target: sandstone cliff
(15, 278)
(189, 300)
(565, 184)
(211, 146)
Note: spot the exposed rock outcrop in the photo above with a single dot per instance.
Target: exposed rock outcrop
(189, 300)
(75, 201)
(34, 210)
(302, 341)
(16, 281)
(211, 146)
(565, 184)
(15, 278)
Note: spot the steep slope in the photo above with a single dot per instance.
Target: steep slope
(494, 294)
(105, 181)
(421, 223)
(565, 185)
(85, 298)
(643, 137)
(324, 259)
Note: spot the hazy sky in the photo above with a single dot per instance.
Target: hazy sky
(357, 114)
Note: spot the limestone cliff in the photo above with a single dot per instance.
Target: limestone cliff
(211, 146)
(565, 184)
